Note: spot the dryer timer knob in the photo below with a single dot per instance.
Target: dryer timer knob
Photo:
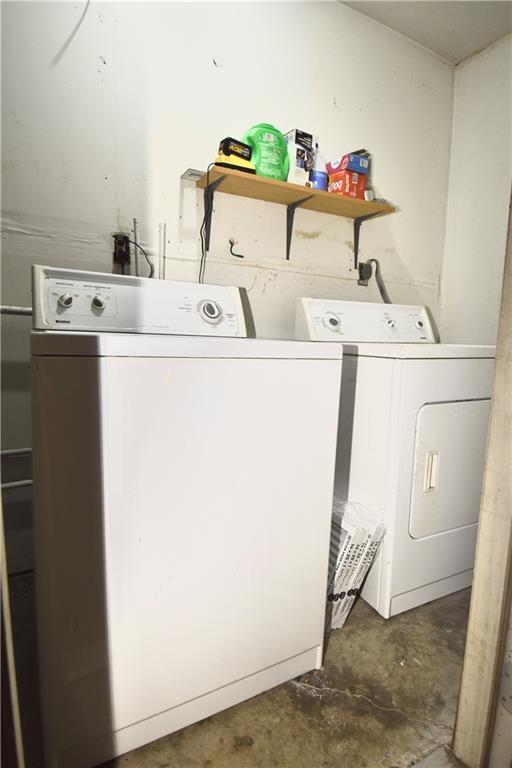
(390, 322)
(332, 322)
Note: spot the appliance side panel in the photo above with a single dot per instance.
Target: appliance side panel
(303, 330)
(362, 463)
(364, 431)
(218, 545)
(69, 550)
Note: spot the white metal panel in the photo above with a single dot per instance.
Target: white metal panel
(335, 320)
(449, 459)
(377, 330)
(217, 545)
(365, 439)
(69, 555)
(142, 345)
(384, 386)
(423, 561)
(388, 396)
(421, 351)
(404, 601)
(202, 523)
(75, 300)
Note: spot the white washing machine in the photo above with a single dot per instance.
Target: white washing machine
(411, 446)
(183, 490)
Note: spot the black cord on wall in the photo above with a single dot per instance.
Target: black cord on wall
(150, 263)
(380, 282)
(208, 210)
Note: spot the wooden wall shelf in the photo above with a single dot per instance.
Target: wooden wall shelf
(293, 196)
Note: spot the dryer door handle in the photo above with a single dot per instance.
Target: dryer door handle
(431, 471)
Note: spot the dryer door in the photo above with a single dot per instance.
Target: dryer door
(448, 466)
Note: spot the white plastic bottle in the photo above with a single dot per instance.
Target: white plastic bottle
(318, 178)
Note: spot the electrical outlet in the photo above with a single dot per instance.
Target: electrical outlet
(365, 272)
(121, 254)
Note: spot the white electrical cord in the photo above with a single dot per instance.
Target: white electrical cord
(136, 255)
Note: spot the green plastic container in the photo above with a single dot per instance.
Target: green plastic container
(269, 151)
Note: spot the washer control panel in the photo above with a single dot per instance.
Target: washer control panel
(360, 321)
(65, 299)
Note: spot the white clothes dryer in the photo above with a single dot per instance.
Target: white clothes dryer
(411, 443)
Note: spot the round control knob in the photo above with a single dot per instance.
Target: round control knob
(98, 303)
(390, 322)
(419, 324)
(65, 301)
(332, 321)
(210, 311)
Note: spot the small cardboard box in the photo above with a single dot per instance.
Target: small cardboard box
(301, 151)
(356, 163)
(348, 183)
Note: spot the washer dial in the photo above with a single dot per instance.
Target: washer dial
(65, 300)
(332, 322)
(210, 311)
(98, 303)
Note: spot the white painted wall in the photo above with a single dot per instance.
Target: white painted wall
(100, 130)
(479, 195)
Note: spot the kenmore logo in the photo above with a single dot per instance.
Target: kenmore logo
(63, 321)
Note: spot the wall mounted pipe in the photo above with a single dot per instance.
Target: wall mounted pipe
(16, 484)
(8, 310)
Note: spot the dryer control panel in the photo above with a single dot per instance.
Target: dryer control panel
(72, 300)
(360, 321)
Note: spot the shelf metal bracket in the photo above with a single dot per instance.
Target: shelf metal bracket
(290, 214)
(357, 228)
(209, 192)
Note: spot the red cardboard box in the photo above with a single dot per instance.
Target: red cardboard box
(348, 183)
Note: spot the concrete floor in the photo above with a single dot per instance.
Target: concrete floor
(440, 758)
(385, 697)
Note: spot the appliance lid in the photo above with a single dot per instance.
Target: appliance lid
(419, 351)
(56, 344)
